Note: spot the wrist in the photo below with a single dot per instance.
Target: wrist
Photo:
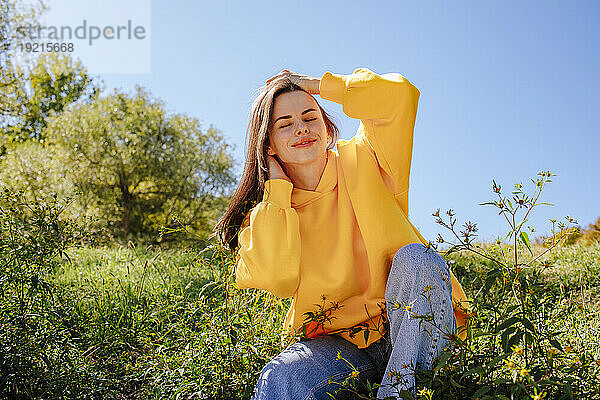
(316, 84)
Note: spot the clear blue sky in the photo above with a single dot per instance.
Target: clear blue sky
(507, 88)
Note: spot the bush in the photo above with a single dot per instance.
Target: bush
(33, 331)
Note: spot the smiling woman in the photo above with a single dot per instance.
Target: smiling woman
(298, 139)
(322, 225)
(262, 162)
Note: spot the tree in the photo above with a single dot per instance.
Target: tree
(14, 17)
(33, 85)
(54, 82)
(138, 167)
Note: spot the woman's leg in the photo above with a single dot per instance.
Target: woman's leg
(415, 274)
(302, 371)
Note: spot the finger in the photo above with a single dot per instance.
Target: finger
(279, 75)
(283, 72)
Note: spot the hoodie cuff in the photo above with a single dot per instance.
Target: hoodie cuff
(333, 87)
(278, 192)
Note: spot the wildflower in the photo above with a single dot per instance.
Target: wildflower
(568, 349)
(538, 396)
(524, 372)
(354, 374)
(517, 350)
(552, 351)
(496, 187)
(510, 364)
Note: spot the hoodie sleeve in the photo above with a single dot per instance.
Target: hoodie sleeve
(387, 106)
(269, 253)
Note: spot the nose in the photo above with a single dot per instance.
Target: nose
(302, 128)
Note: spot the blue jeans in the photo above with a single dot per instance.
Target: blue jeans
(311, 370)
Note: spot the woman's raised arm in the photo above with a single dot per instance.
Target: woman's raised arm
(387, 106)
(269, 253)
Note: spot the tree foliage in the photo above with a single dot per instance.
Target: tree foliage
(139, 167)
(54, 82)
(14, 17)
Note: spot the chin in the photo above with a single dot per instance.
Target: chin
(307, 157)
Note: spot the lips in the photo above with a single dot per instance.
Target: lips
(304, 142)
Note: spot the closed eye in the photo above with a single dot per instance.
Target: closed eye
(307, 120)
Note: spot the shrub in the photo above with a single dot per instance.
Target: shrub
(33, 331)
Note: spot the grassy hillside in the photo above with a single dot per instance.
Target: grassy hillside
(139, 323)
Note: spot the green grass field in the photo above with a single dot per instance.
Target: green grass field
(139, 323)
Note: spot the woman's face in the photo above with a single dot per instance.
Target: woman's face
(296, 120)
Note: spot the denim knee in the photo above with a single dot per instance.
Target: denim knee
(304, 369)
(279, 378)
(414, 261)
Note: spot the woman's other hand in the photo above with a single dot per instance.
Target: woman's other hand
(275, 169)
(308, 83)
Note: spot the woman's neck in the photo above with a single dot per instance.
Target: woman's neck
(307, 176)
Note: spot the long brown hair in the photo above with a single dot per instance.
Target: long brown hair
(252, 185)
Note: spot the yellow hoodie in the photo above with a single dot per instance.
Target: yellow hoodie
(331, 249)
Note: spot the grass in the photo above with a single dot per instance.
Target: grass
(140, 323)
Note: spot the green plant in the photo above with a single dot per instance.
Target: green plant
(517, 345)
(33, 239)
(516, 348)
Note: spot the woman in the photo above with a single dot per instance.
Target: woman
(330, 229)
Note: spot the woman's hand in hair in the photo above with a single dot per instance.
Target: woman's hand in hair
(307, 83)
(275, 169)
